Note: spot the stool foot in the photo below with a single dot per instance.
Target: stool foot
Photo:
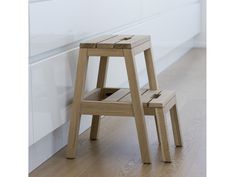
(73, 134)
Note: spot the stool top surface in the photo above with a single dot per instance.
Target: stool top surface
(116, 41)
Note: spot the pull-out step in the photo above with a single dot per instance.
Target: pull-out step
(149, 98)
(115, 101)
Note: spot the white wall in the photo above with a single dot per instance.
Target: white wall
(200, 40)
(57, 27)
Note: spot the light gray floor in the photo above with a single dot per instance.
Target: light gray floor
(116, 152)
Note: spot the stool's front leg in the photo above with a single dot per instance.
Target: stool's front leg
(176, 126)
(137, 106)
(78, 95)
(100, 84)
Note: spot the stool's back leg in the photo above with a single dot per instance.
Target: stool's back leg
(100, 84)
(153, 84)
(175, 126)
(78, 95)
(137, 106)
(158, 137)
(163, 134)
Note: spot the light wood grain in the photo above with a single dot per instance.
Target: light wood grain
(105, 52)
(140, 48)
(132, 42)
(163, 99)
(153, 85)
(106, 108)
(110, 43)
(147, 96)
(93, 95)
(127, 98)
(93, 42)
(117, 42)
(137, 106)
(163, 135)
(118, 95)
(176, 126)
(76, 109)
(153, 82)
(101, 80)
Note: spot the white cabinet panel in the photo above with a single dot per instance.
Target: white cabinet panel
(60, 22)
(52, 90)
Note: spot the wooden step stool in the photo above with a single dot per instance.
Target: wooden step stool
(122, 102)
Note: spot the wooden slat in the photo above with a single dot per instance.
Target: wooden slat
(93, 42)
(117, 95)
(106, 108)
(165, 97)
(110, 90)
(133, 42)
(105, 52)
(147, 96)
(169, 105)
(140, 48)
(149, 111)
(127, 98)
(109, 43)
(93, 95)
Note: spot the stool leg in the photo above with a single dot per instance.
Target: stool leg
(153, 85)
(175, 126)
(158, 137)
(100, 84)
(78, 94)
(137, 106)
(163, 134)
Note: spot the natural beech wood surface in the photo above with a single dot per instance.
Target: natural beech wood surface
(163, 134)
(78, 95)
(117, 42)
(137, 105)
(101, 80)
(116, 153)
